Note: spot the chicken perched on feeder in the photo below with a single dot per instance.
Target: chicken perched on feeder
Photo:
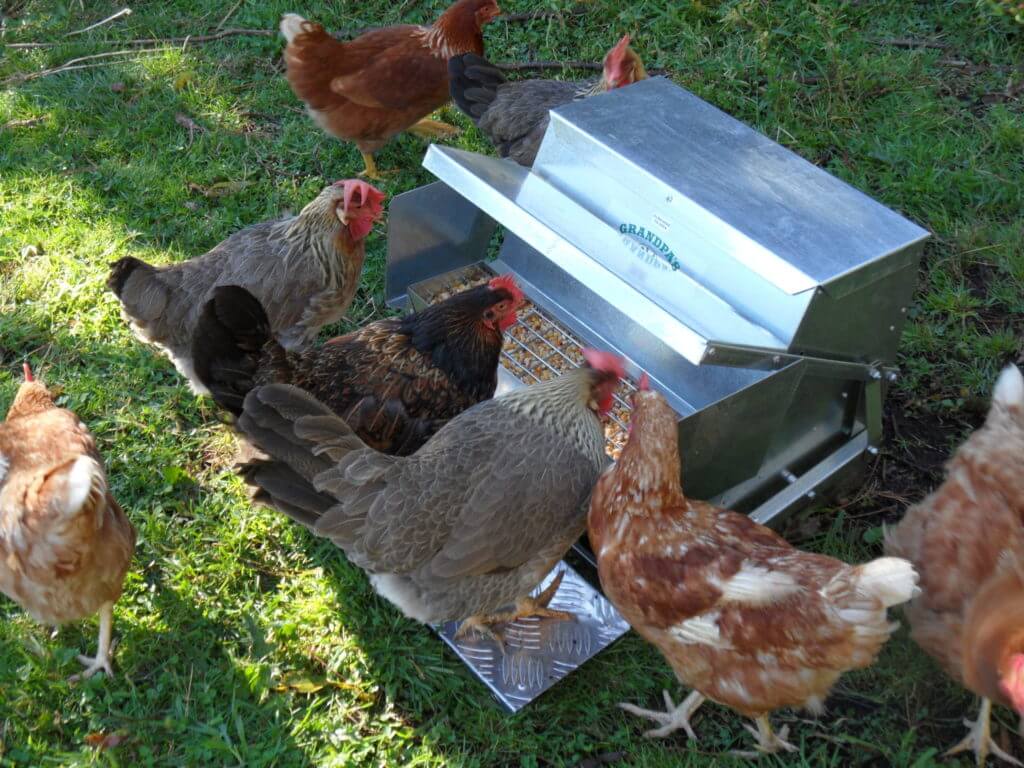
(742, 617)
(304, 270)
(65, 544)
(467, 525)
(514, 115)
(386, 80)
(967, 541)
(395, 382)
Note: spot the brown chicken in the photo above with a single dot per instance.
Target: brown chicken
(303, 269)
(65, 544)
(743, 617)
(469, 523)
(395, 382)
(514, 115)
(386, 80)
(967, 541)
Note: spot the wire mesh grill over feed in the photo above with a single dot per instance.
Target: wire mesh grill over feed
(537, 348)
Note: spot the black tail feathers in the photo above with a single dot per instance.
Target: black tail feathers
(474, 83)
(228, 344)
(121, 270)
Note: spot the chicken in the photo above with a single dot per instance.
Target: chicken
(303, 269)
(65, 544)
(395, 382)
(386, 80)
(514, 115)
(967, 540)
(469, 523)
(741, 616)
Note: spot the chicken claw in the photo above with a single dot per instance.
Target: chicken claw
(102, 659)
(371, 171)
(768, 742)
(673, 718)
(525, 606)
(979, 739)
(433, 129)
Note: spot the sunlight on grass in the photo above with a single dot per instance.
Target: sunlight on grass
(244, 640)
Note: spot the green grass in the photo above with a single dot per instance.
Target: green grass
(245, 641)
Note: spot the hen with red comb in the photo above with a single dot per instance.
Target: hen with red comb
(468, 525)
(395, 381)
(514, 115)
(304, 271)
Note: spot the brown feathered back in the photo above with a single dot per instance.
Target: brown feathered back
(65, 544)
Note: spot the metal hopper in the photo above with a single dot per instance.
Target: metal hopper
(764, 297)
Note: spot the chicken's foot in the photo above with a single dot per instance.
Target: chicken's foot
(371, 171)
(673, 718)
(979, 739)
(768, 742)
(102, 659)
(525, 606)
(434, 129)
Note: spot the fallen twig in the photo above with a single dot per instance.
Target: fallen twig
(911, 42)
(148, 41)
(193, 127)
(229, 14)
(114, 17)
(76, 63)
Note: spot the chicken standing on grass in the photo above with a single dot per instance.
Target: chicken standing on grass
(967, 540)
(743, 617)
(395, 382)
(386, 80)
(468, 524)
(65, 544)
(303, 269)
(514, 115)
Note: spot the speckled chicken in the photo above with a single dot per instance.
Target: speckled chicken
(967, 541)
(514, 115)
(743, 617)
(304, 270)
(468, 524)
(65, 544)
(395, 382)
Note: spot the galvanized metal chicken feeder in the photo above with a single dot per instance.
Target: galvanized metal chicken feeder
(764, 297)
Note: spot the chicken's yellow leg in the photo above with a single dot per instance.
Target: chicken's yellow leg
(101, 662)
(434, 129)
(370, 171)
(979, 739)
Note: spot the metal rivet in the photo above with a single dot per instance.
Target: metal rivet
(892, 376)
(873, 450)
(903, 310)
(892, 328)
(845, 395)
(711, 351)
(875, 374)
(777, 359)
(788, 476)
(812, 495)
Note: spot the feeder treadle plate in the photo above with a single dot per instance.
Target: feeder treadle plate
(540, 652)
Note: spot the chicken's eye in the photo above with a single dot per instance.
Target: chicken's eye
(489, 314)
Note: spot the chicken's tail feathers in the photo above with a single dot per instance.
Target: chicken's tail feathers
(890, 580)
(121, 270)
(1009, 389)
(292, 26)
(279, 486)
(228, 344)
(473, 82)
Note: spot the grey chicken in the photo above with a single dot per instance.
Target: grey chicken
(468, 524)
(65, 544)
(303, 269)
(514, 115)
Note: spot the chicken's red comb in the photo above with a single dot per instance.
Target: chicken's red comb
(28, 372)
(644, 385)
(605, 362)
(619, 50)
(369, 198)
(508, 283)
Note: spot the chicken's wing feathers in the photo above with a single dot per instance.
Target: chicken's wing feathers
(394, 72)
(284, 489)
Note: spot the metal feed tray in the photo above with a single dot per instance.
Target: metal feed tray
(764, 297)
